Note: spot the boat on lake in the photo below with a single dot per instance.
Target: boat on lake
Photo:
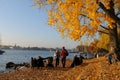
(1, 52)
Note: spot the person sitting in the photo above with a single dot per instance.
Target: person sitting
(35, 62)
(81, 59)
(40, 62)
(49, 62)
(77, 60)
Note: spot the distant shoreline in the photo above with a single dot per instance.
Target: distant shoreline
(17, 47)
(26, 49)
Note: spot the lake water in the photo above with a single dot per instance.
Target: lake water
(20, 56)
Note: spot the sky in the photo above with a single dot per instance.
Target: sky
(24, 25)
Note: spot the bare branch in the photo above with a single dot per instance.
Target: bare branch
(104, 27)
(85, 16)
(103, 32)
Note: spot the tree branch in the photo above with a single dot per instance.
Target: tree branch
(108, 12)
(104, 27)
(85, 16)
(103, 32)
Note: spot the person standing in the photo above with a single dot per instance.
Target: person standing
(32, 63)
(57, 57)
(110, 58)
(110, 55)
(64, 53)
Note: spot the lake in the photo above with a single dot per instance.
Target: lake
(20, 56)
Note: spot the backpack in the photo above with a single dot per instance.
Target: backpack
(66, 53)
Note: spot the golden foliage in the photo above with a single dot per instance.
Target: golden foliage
(75, 18)
(103, 41)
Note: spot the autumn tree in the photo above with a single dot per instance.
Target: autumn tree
(93, 46)
(104, 40)
(77, 18)
(82, 48)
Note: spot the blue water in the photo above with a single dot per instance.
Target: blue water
(20, 56)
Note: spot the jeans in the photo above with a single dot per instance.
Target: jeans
(57, 62)
(63, 62)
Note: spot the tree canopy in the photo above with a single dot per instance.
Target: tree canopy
(75, 18)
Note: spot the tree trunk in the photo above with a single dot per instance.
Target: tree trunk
(114, 40)
(113, 37)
